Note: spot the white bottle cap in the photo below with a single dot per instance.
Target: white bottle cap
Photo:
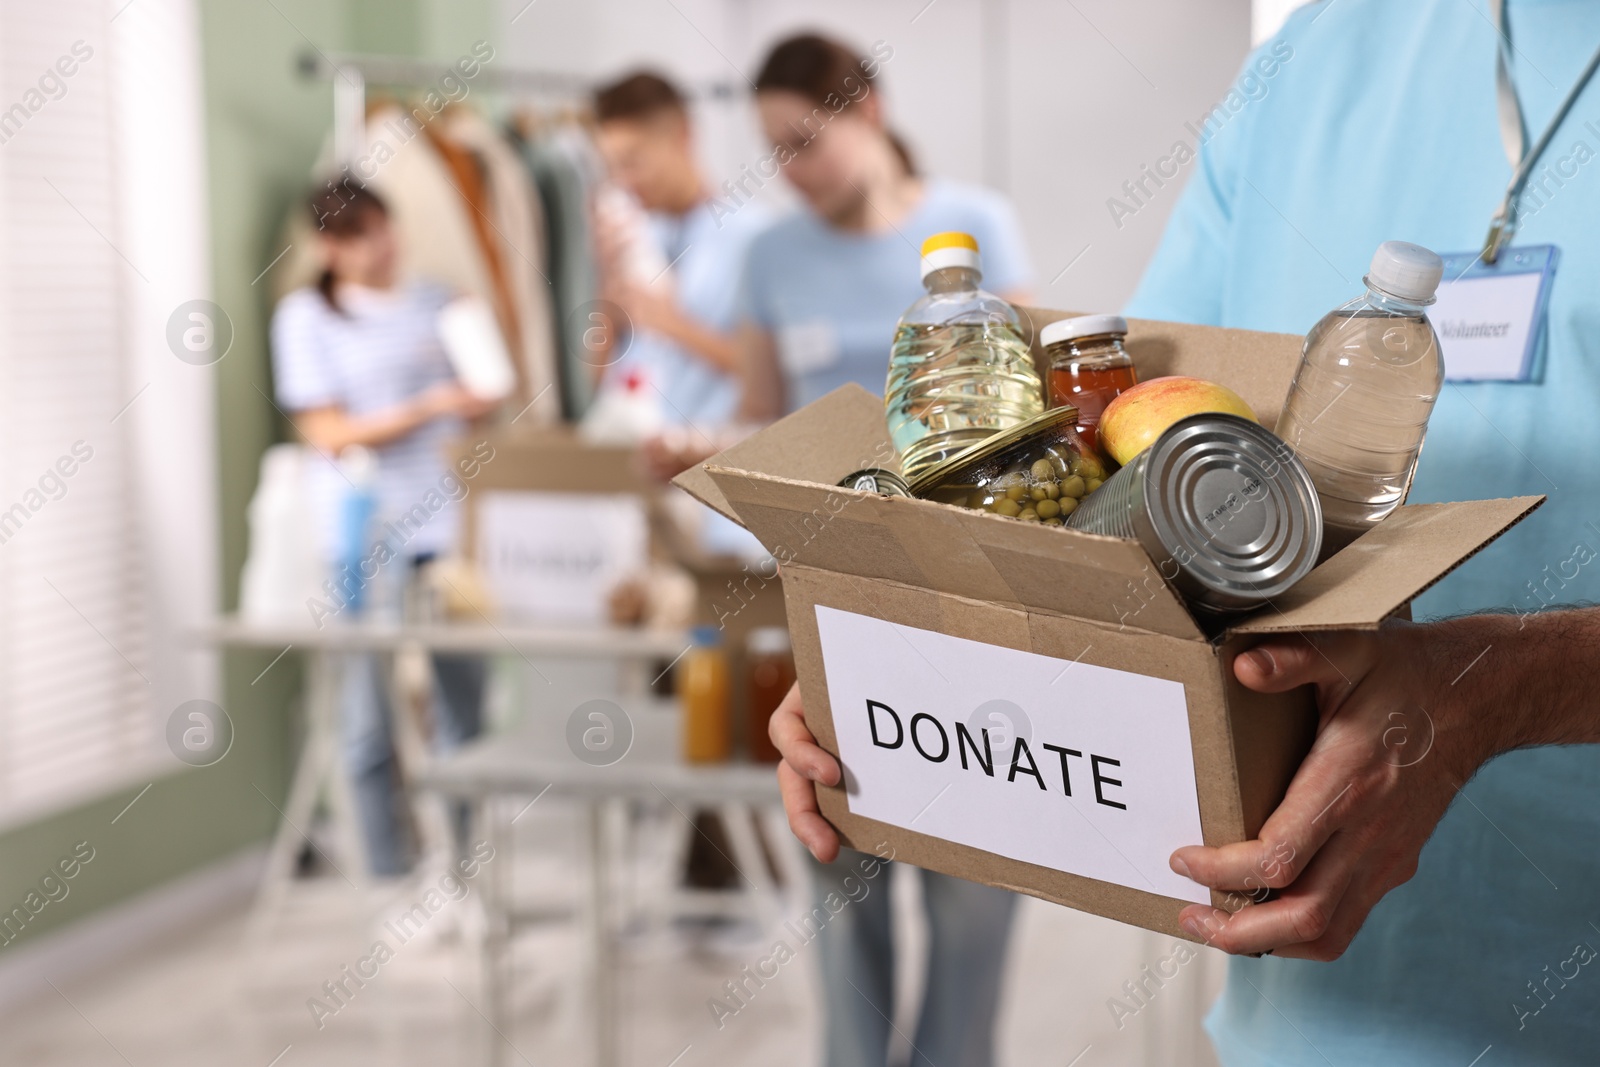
(1407, 271)
(359, 464)
(1082, 326)
(768, 640)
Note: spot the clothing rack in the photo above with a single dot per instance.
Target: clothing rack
(351, 74)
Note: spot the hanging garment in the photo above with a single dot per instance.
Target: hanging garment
(471, 184)
(564, 189)
(516, 226)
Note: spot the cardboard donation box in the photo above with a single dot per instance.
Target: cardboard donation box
(554, 524)
(1033, 707)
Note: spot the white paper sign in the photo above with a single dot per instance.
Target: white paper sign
(1485, 324)
(1058, 763)
(555, 557)
(808, 347)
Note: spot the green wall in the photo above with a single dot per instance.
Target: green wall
(264, 126)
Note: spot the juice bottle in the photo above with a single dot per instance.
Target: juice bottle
(1089, 366)
(1359, 405)
(771, 675)
(703, 690)
(959, 370)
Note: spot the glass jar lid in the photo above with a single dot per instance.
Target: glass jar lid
(1082, 326)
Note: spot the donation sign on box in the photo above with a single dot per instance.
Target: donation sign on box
(556, 557)
(1058, 763)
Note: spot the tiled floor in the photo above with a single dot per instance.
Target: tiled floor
(206, 999)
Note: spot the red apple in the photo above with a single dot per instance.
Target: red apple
(1132, 422)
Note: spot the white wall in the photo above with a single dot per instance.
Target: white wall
(1055, 103)
(161, 162)
(1267, 17)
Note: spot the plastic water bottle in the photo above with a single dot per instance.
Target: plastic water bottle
(284, 570)
(626, 411)
(1359, 406)
(960, 370)
(358, 508)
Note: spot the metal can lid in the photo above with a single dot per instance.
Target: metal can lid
(1233, 506)
(876, 480)
(1057, 420)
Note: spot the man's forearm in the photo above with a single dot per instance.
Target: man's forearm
(1521, 680)
(720, 350)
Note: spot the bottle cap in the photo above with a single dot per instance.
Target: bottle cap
(1082, 326)
(1407, 271)
(950, 249)
(768, 641)
(705, 637)
(359, 464)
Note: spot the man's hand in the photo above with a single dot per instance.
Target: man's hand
(647, 307)
(669, 454)
(1394, 745)
(804, 764)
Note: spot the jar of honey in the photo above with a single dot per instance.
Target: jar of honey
(771, 663)
(1089, 366)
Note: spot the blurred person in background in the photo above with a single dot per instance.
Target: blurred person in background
(358, 362)
(826, 286)
(676, 278)
(823, 293)
(679, 294)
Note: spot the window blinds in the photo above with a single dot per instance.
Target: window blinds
(88, 644)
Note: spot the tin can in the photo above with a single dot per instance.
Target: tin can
(876, 480)
(1223, 506)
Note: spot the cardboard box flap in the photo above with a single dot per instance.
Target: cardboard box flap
(555, 460)
(1389, 565)
(546, 461)
(822, 442)
(956, 551)
(1257, 366)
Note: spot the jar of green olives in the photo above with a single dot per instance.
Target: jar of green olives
(1037, 471)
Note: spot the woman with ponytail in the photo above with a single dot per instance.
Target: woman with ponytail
(824, 290)
(358, 362)
(825, 287)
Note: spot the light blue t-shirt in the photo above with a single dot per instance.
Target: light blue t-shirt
(707, 252)
(1382, 125)
(832, 299)
(382, 350)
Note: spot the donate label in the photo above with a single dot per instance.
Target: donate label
(1058, 763)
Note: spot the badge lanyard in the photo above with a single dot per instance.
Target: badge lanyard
(1513, 134)
(1491, 307)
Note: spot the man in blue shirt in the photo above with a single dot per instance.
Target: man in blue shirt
(1385, 126)
(677, 275)
(1445, 912)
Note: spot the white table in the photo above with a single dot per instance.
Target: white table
(577, 641)
(535, 761)
(525, 762)
(319, 767)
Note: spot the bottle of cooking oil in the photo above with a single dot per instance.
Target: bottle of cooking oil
(703, 689)
(1359, 405)
(960, 369)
